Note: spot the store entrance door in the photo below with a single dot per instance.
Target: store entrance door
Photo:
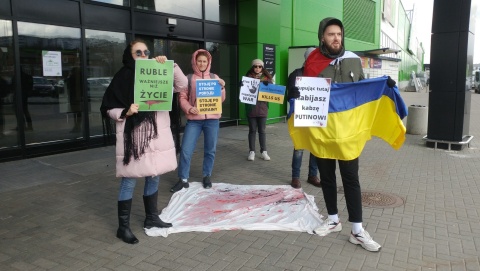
(181, 52)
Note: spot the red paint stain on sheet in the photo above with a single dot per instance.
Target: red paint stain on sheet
(239, 205)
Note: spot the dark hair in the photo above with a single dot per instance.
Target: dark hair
(137, 40)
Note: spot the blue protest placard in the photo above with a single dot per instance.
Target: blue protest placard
(209, 96)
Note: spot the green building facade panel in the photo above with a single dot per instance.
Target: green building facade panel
(297, 26)
(409, 61)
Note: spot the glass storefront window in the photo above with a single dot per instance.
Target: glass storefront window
(51, 85)
(8, 119)
(104, 59)
(223, 56)
(223, 11)
(115, 2)
(189, 8)
(180, 52)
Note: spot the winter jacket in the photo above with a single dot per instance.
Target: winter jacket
(292, 78)
(346, 69)
(188, 97)
(160, 155)
(260, 110)
(342, 67)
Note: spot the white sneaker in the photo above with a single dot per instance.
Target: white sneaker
(327, 227)
(265, 156)
(251, 156)
(364, 239)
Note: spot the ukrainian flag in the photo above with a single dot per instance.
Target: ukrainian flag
(357, 111)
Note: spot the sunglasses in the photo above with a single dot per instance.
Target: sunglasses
(139, 52)
(255, 66)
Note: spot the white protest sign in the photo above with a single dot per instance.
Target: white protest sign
(249, 90)
(311, 108)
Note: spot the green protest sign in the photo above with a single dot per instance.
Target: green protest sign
(153, 85)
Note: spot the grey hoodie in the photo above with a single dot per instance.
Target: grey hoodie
(321, 28)
(345, 66)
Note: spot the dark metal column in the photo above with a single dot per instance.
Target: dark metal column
(451, 64)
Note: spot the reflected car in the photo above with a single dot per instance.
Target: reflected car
(42, 87)
(6, 90)
(60, 86)
(476, 81)
(97, 85)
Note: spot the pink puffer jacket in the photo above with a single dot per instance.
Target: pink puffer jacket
(188, 101)
(160, 156)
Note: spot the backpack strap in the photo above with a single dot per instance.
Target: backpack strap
(189, 78)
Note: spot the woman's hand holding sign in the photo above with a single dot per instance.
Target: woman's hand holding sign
(161, 59)
(221, 82)
(132, 110)
(193, 110)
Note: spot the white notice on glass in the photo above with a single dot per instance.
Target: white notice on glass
(311, 108)
(52, 63)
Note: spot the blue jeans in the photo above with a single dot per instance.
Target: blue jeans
(127, 185)
(193, 128)
(297, 164)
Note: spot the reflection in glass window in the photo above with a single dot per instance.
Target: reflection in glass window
(8, 120)
(223, 64)
(159, 46)
(52, 105)
(181, 52)
(104, 59)
(115, 2)
(220, 11)
(189, 8)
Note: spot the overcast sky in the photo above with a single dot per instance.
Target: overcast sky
(424, 29)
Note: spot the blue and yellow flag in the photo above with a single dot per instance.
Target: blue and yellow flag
(356, 112)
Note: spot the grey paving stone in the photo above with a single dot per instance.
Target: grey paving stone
(59, 212)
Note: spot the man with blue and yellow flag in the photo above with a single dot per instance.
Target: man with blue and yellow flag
(357, 110)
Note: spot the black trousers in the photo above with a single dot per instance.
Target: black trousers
(255, 123)
(351, 186)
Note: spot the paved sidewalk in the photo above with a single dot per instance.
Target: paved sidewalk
(59, 212)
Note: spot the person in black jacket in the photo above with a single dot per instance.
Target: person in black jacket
(298, 154)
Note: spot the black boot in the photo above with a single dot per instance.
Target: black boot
(124, 232)
(151, 213)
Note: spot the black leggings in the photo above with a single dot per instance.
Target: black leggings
(351, 186)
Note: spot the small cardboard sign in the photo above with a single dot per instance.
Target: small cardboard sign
(249, 90)
(271, 93)
(311, 108)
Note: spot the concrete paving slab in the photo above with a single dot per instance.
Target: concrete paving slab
(59, 212)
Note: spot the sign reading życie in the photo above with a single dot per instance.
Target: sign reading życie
(153, 85)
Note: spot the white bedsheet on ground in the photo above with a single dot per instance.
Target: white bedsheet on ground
(239, 207)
